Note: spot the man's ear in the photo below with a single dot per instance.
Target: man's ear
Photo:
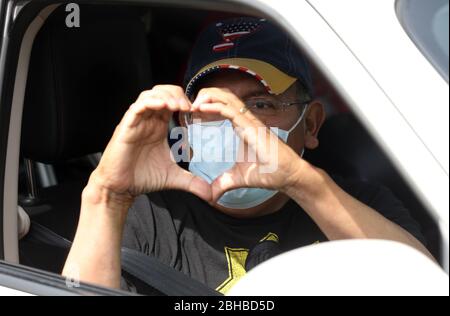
(314, 121)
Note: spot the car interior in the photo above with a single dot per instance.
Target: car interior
(82, 80)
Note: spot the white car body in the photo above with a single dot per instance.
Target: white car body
(404, 102)
(392, 88)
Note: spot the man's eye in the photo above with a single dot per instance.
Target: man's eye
(260, 105)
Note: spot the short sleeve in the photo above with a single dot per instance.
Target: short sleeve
(150, 228)
(139, 228)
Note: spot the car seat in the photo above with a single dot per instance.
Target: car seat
(81, 81)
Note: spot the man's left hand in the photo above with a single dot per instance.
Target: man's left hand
(285, 166)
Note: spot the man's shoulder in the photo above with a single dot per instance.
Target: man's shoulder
(151, 226)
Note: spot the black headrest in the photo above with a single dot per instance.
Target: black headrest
(81, 81)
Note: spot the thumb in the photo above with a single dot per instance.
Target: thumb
(225, 182)
(186, 181)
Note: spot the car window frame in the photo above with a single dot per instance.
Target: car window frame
(39, 282)
(29, 11)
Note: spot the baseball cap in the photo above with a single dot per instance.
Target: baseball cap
(252, 45)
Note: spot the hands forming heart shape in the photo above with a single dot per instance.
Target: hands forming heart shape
(138, 158)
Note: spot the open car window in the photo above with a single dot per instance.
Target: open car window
(81, 80)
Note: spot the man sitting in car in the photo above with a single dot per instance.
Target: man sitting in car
(218, 219)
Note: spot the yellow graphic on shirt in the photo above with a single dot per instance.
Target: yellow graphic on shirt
(236, 258)
(271, 237)
(236, 267)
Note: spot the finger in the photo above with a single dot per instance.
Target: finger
(186, 181)
(166, 96)
(152, 101)
(227, 98)
(137, 111)
(177, 95)
(228, 112)
(243, 126)
(229, 180)
(251, 130)
(215, 95)
(248, 129)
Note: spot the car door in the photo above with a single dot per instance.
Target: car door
(19, 24)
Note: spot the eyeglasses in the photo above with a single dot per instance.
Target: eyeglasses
(269, 111)
(266, 108)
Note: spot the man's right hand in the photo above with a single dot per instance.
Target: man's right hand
(138, 158)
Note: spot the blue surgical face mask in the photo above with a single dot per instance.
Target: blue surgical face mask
(215, 148)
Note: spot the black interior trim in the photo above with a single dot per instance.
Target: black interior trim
(9, 59)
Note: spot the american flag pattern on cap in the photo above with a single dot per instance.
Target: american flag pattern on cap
(189, 88)
(249, 45)
(233, 31)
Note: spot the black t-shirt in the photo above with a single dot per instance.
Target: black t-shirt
(189, 235)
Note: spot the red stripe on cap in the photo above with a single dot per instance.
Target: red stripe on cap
(259, 77)
(222, 47)
(246, 70)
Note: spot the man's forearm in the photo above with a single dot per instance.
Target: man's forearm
(95, 253)
(341, 216)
